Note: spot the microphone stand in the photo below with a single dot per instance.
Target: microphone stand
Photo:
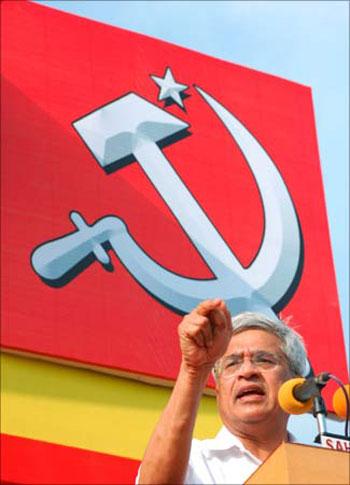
(320, 413)
(319, 408)
(325, 439)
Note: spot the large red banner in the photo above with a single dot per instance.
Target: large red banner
(32, 461)
(138, 178)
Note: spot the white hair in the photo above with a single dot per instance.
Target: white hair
(292, 344)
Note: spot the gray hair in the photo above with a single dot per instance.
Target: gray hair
(292, 344)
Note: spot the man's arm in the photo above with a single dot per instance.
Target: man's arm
(204, 335)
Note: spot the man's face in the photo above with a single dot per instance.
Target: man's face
(253, 369)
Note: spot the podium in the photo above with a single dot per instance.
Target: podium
(300, 464)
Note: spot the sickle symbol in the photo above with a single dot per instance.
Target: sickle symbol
(131, 126)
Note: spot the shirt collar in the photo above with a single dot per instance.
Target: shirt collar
(225, 440)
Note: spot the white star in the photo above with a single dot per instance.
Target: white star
(169, 88)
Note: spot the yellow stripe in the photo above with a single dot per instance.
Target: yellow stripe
(86, 409)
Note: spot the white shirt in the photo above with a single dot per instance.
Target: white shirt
(223, 459)
(220, 460)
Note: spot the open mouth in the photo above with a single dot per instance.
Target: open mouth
(250, 393)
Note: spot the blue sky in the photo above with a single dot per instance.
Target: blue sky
(303, 41)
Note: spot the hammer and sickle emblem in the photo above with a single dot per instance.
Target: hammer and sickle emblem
(132, 128)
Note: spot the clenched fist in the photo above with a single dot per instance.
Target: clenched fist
(204, 334)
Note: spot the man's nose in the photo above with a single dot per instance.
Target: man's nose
(247, 368)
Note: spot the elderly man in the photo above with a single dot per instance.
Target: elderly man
(251, 356)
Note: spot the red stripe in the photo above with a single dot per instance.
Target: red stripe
(30, 461)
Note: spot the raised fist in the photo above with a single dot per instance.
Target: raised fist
(205, 333)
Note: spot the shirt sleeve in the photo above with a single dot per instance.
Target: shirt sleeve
(191, 476)
(196, 470)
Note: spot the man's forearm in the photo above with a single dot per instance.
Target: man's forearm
(203, 336)
(167, 454)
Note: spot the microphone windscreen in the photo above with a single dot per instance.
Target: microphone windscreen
(339, 401)
(288, 402)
